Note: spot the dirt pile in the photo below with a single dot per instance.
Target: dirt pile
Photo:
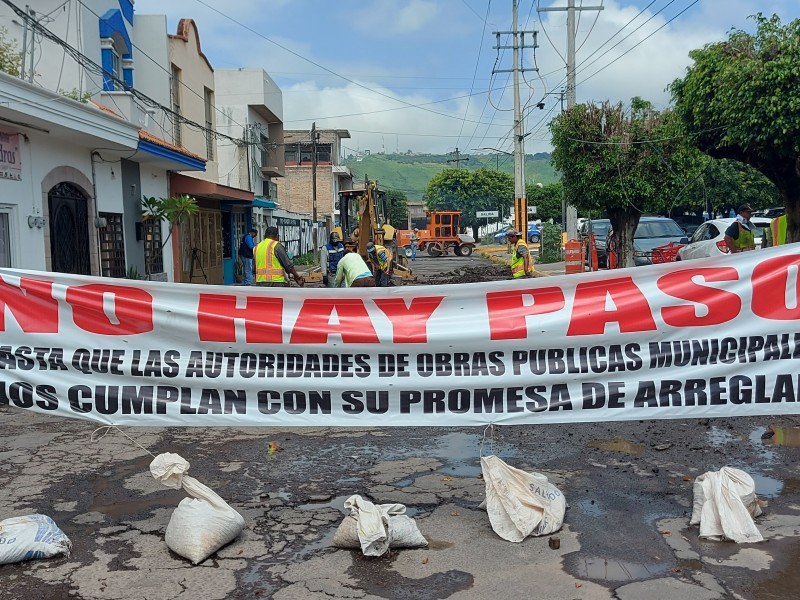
(472, 274)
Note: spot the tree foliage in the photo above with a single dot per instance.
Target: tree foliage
(741, 100)
(470, 192)
(10, 56)
(623, 162)
(173, 210)
(397, 202)
(547, 200)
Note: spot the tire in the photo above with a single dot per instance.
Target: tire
(463, 250)
(434, 250)
(534, 239)
(407, 251)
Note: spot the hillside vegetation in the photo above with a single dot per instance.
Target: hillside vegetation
(410, 173)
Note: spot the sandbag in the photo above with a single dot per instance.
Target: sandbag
(374, 529)
(30, 537)
(200, 525)
(725, 504)
(520, 504)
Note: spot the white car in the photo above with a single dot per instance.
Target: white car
(709, 239)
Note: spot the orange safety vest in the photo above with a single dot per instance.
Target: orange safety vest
(268, 267)
(521, 265)
(778, 228)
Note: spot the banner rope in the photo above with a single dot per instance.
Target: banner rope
(106, 428)
(491, 440)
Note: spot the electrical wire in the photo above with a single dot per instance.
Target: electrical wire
(326, 69)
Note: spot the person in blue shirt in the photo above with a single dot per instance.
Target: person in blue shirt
(332, 253)
(246, 254)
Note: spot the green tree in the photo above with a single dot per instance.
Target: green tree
(470, 192)
(741, 100)
(172, 210)
(10, 56)
(625, 162)
(397, 203)
(547, 200)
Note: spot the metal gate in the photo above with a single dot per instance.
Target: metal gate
(69, 230)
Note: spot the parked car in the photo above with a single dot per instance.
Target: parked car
(600, 229)
(709, 239)
(534, 234)
(651, 233)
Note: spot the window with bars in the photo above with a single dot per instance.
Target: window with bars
(153, 246)
(112, 246)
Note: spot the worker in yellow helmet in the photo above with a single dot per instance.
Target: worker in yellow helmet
(521, 260)
(381, 259)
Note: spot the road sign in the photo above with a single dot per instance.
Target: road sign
(531, 210)
(486, 214)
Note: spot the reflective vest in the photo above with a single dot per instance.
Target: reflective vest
(746, 240)
(335, 254)
(384, 257)
(778, 228)
(520, 265)
(268, 267)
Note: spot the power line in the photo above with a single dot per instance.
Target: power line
(92, 66)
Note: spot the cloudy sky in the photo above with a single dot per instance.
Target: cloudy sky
(418, 74)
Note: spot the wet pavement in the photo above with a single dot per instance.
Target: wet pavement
(625, 536)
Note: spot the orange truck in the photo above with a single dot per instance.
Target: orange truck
(440, 236)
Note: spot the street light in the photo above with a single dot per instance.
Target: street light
(496, 158)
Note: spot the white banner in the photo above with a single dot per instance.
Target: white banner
(702, 339)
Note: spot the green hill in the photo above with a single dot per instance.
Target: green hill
(410, 173)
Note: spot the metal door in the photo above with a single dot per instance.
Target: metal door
(69, 230)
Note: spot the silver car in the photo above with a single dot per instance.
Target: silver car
(709, 239)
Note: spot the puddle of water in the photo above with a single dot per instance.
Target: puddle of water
(286, 496)
(403, 483)
(788, 437)
(617, 445)
(337, 503)
(460, 453)
(762, 446)
(591, 508)
(718, 437)
(108, 487)
(617, 570)
(767, 487)
(784, 584)
(377, 578)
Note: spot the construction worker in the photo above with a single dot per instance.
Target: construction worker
(272, 260)
(776, 236)
(739, 236)
(353, 272)
(331, 254)
(381, 259)
(521, 260)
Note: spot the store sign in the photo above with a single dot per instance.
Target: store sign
(10, 163)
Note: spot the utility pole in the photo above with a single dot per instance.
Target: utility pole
(457, 159)
(314, 181)
(571, 224)
(517, 45)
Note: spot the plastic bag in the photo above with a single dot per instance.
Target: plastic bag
(725, 503)
(520, 504)
(374, 528)
(200, 525)
(30, 537)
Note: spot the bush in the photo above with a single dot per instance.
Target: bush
(550, 250)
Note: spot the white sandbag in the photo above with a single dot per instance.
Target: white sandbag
(200, 525)
(30, 537)
(375, 528)
(520, 504)
(725, 503)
